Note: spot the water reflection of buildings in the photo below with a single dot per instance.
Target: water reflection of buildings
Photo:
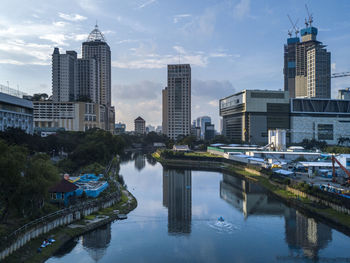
(97, 241)
(177, 197)
(140, 161)
(303, 234)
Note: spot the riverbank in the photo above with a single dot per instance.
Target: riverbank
(28, 253)
(292, 197)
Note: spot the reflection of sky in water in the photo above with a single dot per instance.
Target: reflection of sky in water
(176, 221)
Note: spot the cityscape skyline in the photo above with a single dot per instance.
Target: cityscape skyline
(141, 48)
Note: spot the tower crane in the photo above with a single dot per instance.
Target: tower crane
(294, 25)
(340, 75)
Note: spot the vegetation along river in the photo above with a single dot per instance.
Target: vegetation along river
(177, 221)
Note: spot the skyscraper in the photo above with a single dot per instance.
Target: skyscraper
(177, 101)
(87, 85)
(96, 47)
(307, 65)
(64, 76)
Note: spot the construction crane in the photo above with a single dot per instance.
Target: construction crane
(334, 160)
(340, 75)
(294, 25)
(308, 22)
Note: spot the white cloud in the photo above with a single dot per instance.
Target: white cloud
(72, 17)
(333, 66)
(58, 39)
(242, 9)
(178, 18)
(147, 3)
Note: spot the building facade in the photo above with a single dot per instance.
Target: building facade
(319, 119)
(71, 116)
(140, 125)
(344, 94)
(177, 101)
(248, 115)
(307, 66)
(15, 113)
(201, 122)
(97, 48)
(119, 128)
(87, 81)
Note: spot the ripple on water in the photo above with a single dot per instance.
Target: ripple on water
(223, 227)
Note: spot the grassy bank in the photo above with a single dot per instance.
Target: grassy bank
(338, 220)
(28, 253)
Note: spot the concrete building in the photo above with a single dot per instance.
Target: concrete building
(177, 101)
(249, 114)
(319, 119)
(15, 113)
(87, 81)
(72, 116)
(307, 66)
(64, 76)
(140, 125)
(97, 48)
(344, 94)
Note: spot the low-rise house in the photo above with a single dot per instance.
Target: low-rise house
(181, 148)
(63, 192)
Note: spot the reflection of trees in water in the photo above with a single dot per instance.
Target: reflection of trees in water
(66, 248)
(97, 241)
(305, 236)
(151, 160)
(177, 198)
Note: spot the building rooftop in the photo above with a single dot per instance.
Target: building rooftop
(9, 99)
(63, 187)
(96, 36)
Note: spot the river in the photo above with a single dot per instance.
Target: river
(176, 221)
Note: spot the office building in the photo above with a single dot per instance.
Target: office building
(15, 112)
(140, 125)
(87, 81)
(307, 66)
(209, 131)
(71, 116)
(319, 119)
(344, 94)
(249, 114)
(97, 48)
(201, 122)
(119, 128)
(177, 101)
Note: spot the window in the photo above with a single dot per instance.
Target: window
(325, 131)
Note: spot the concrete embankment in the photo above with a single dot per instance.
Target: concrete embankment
(64, 229)
(324, 210)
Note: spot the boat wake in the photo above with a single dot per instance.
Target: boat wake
(223, 227)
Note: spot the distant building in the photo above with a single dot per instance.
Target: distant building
(72, 116)
(201, 122)
(150, 128)
(344, 94)
(209, 131)
(177, 101)
(249, 114)
(15, 113)
(319, 119)
(159, 129)
(307, 66)
(119, 128)
(140, 125)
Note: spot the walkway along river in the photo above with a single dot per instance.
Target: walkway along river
(176, 221)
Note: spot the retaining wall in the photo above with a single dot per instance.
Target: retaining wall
(46, 227)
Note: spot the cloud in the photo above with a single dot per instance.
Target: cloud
(147, 3)
(202, 25)
(144, 90)
(242, 9)
(58, 39)
(178, 18)
(333, 66)
(212, 89)
(72, 17)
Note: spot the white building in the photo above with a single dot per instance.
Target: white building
(177, 101)
(319, 119)
(71, 116)
(140, 125)
(15, 113)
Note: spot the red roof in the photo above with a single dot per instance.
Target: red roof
(63, 187)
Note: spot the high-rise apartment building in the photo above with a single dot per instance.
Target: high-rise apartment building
(87, 81)
(307, 66)
(140, 125)
(97, 48)
(64, 76)
(177, 101)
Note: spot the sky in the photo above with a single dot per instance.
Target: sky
(231, 45)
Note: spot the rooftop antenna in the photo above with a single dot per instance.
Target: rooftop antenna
(294, 25)
(310, 19)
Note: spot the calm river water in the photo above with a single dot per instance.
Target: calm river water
(176, 221)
